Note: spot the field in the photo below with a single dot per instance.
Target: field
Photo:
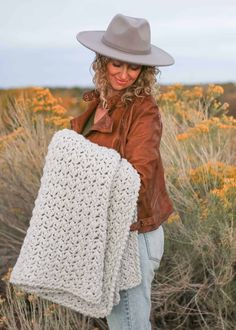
(195, 287)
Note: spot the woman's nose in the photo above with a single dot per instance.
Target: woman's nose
(124, 73)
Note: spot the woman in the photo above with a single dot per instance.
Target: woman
(122, 114)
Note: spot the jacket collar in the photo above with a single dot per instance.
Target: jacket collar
(105, 124)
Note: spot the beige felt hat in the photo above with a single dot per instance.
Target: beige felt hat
(127, 39)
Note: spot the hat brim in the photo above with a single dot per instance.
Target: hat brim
(93, 41)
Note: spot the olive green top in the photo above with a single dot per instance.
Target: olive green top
(89, 123)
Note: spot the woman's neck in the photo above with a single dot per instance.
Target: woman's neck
(112, 92)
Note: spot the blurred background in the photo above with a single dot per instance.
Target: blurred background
(38, 43)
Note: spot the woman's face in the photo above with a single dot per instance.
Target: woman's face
(121, 75)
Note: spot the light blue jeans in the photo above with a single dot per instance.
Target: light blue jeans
(134, 309)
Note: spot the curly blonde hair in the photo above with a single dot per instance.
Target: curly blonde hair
(145, 84)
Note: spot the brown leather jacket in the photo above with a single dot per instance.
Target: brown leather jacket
(135, 132)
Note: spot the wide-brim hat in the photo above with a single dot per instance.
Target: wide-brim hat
(127, 39)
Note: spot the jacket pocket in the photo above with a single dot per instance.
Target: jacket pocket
(154, 241)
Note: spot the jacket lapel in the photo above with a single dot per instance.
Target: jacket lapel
(77, 123)
(104, 125)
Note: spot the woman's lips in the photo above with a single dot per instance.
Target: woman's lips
(121, 82)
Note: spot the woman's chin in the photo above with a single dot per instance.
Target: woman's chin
(117, 88)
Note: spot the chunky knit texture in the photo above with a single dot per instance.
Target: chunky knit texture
(78, 250)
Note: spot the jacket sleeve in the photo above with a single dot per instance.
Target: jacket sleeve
(142, 151)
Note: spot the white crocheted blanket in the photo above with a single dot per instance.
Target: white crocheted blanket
(78, 250)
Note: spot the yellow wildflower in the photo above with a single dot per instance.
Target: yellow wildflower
(206, 172)
(43, 101)
(6, 277)
(225, 106)
(204, 210)
(169, 96)
(19, 293)
(50, 310)
(197, 91)
(215, 89)
(183, 136)
(3, 320)
(175, 86)
(32, 297)
(173, 217)
(222, 195)
(200, 128)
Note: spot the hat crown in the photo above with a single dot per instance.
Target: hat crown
(127, 39)
(128, 34)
